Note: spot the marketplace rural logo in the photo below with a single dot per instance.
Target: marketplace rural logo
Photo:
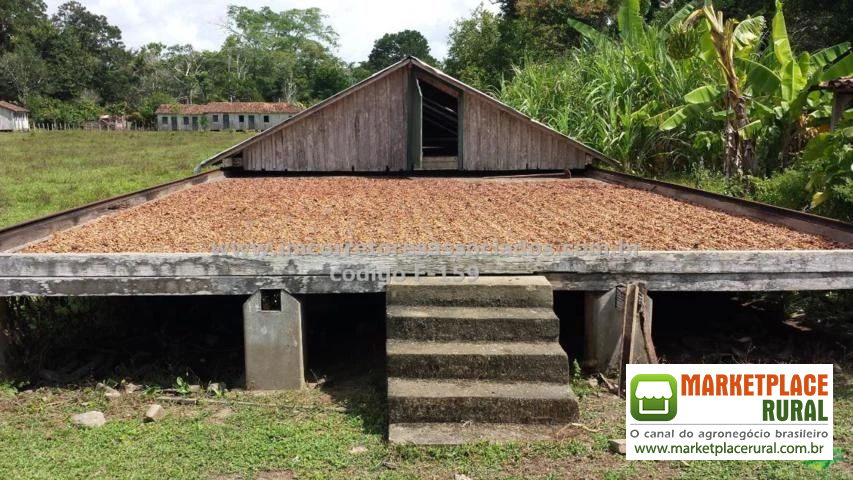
(729, 412)
(654, 397)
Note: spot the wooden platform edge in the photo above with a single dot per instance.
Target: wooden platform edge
(208, 274)
(835, 230)
(313, 284)
(19, 235)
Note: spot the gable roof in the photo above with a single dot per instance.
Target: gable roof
(228, 107)
(406, 62)
(13, 107)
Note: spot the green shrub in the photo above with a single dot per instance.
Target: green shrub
(840, 205)
(46, 110)
(785, 189)
(821, 181)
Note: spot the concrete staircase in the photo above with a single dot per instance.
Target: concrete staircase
(475, 360)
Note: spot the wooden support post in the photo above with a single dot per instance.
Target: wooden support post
(272, 330)
(840, 101)
(637, 346)
(611, 317)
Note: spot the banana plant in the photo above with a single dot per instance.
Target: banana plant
(782, 83)
(755, 91)
(721, 41)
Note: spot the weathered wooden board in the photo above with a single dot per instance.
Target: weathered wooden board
(187, 274)
(705, 282)
(494, 139)
(222, 285)
(188, 264)
(361, 131)
(246, 285)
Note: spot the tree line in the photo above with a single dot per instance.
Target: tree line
(73, 65)
(487, 47)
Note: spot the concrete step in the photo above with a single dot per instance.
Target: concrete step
(459, 401)
(472, 323)
(527, 291)
(545, 362)
(469, 432)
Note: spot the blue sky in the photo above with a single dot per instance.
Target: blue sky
(359, 23)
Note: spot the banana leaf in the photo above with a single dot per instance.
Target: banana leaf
(630, 21)
(793, 81)
(779, 33)
(703, 95)
(748, 32)
(841, 68)
(829, 55)
(805, 64)
(587, 31)
(678, 17)
(760, 78)
(750, 130)
(679, 117)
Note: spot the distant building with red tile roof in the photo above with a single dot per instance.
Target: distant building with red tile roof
(224, 115)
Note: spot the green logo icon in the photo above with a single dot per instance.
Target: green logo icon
(654, 397)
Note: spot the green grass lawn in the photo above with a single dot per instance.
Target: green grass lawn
(328, 432)
(44, 172)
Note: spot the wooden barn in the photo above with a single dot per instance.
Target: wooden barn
(344, 199)
(408, 117)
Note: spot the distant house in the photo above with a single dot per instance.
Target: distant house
(108, 122)
(224, 116)
(13, 118)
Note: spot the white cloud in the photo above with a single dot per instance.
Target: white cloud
(359, 23)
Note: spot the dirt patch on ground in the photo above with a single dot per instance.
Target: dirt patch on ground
(337, 210)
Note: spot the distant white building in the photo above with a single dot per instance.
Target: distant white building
(13, 118)
(224, 116)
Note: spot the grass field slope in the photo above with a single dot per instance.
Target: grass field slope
(44, 172)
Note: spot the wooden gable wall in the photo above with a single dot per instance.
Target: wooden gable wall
(364, 130)
(495, 138)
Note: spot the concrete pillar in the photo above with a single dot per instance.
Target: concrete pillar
(604, 324)
(603, 329)
(272, 330)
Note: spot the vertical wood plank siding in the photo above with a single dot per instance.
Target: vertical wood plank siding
(363, 131)
(497, 140)
(366, 131)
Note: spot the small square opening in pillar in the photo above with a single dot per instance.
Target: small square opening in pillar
(271, 300)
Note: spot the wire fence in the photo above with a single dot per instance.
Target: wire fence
(92, 126)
